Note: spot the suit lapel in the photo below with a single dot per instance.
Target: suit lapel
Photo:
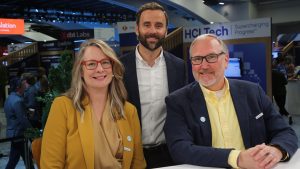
(239, 105)
(127, 139)
(200, 112)
(132, 81)
(86, 133)
(170, 72)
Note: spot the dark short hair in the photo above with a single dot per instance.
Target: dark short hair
(150, 6)
(15, 84)
(29, 77)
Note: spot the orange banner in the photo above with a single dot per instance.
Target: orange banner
(11, 26)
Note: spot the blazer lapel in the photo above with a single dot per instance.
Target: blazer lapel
(200, 112)
(86, 133)
(239, 105)
(127, 139)
(170, 72)
(132, 81)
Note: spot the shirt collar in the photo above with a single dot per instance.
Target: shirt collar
(220, 93)
(140, 58)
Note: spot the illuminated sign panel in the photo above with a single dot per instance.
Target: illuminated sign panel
(11, 26)
(231, 30)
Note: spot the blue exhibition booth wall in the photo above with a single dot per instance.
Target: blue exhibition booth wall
(253, 66)
(248, 41)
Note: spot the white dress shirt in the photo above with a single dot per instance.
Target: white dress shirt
(153, 88)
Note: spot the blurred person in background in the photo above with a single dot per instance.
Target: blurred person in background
(290, 68)
(17, 122)
(42, 81)
(30, 100)
(280, 65)
(279, 83)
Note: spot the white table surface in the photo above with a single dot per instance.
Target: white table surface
(294, 163)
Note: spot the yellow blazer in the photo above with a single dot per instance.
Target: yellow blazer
(68, 139)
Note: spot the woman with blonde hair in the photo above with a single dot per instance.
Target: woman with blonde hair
(92, 125)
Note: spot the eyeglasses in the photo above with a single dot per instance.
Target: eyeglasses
(93, 64)
(211, 58)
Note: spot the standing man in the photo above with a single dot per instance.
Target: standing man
(150, 75)
(220, 122)
(30, 100)
(17, 121)
(279, 92)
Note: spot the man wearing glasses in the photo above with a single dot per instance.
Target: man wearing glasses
(220, 122)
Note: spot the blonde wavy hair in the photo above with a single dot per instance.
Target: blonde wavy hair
(116, 89)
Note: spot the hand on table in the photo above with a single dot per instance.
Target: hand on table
(259, 157)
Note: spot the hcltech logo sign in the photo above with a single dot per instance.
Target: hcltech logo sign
(231, 30)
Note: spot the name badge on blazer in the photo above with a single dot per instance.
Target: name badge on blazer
(127, 149)
(259, 115)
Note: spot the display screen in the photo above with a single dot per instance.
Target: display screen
(234, 68)
(274, 55)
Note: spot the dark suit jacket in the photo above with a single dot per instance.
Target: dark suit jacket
(176, 73)
(190, 140)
